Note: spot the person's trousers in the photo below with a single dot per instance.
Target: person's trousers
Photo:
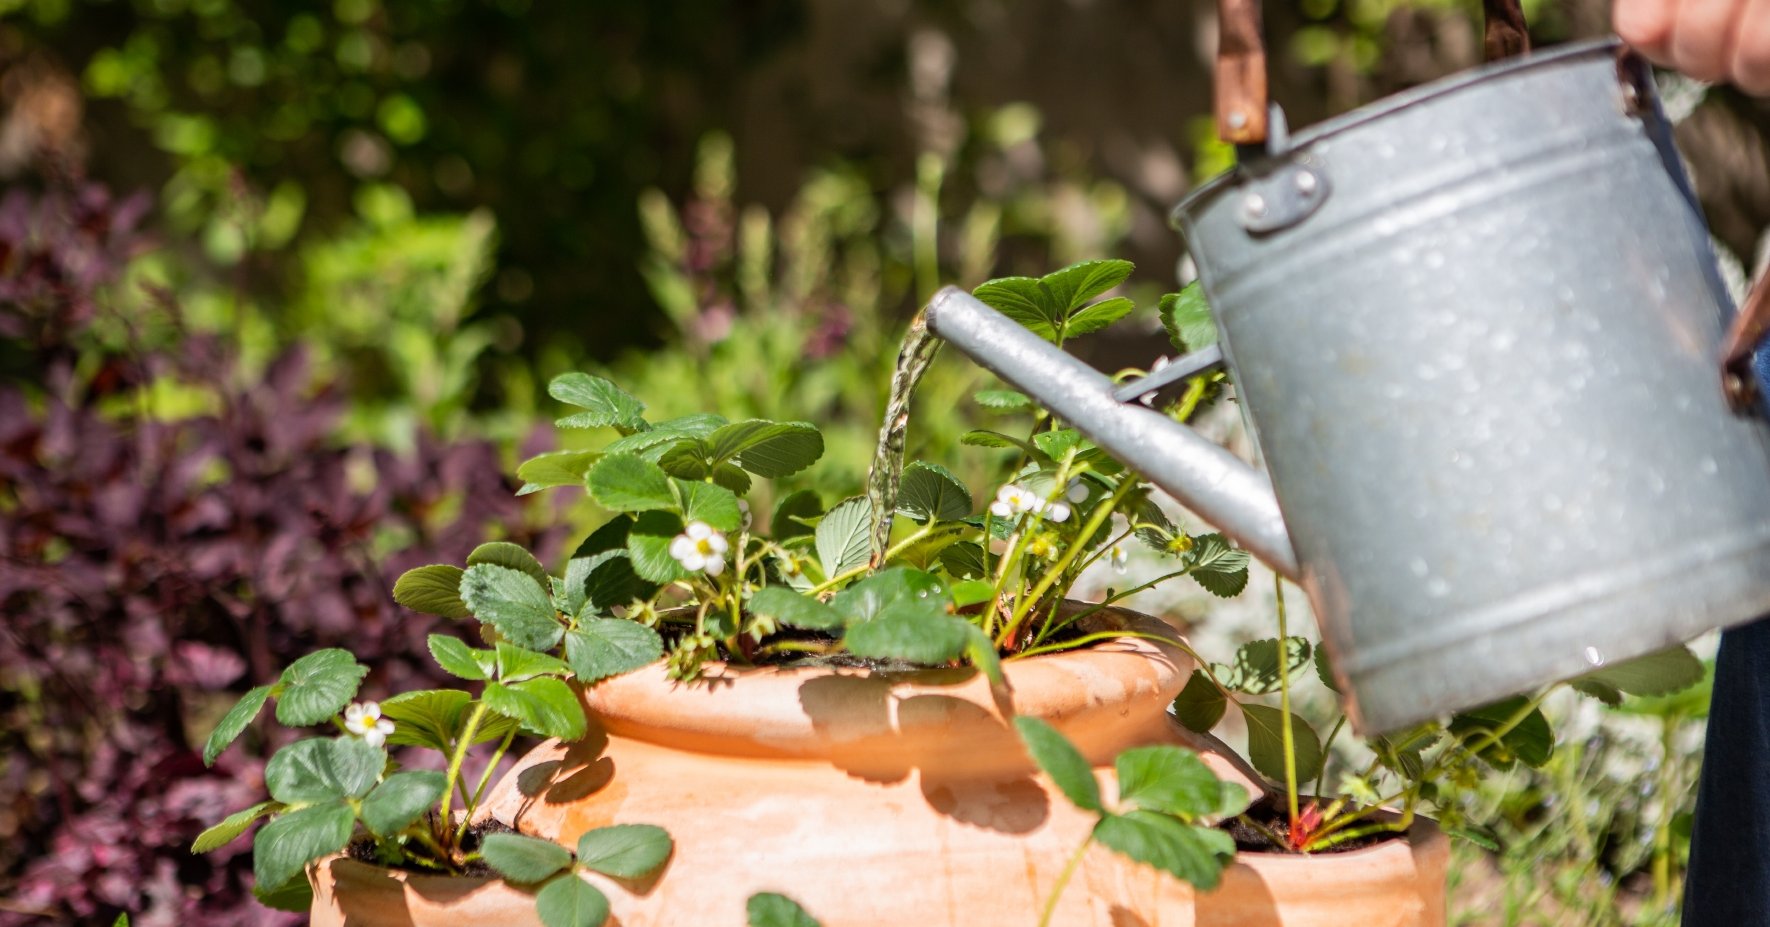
(1728, 883)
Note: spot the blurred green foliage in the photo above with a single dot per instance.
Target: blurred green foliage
(530, 110)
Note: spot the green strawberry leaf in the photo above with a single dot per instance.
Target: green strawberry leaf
(604, 403)
(514, 603)
(433, 590)
(234, 722)
(602, 647)
(285, 846)
(318, 686)
(524, 860)
(401, 799)
(625, 851)
(1060, 760)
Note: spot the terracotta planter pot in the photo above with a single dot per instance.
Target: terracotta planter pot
(347, 893)
(1396, 883)
(868, 797)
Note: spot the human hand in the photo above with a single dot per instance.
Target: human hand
(1711, 40)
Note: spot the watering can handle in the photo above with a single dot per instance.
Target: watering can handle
(1743, 338)
(1240, 79)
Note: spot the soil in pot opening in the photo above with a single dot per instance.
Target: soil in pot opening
(1270, 813)
(362, 850)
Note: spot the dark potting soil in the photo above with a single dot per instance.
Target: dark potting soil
(362, 850)
(1273, 816)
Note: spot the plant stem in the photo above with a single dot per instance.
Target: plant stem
(852, 572)
(1327, 746)
(1287, 736)
(467, 733)
(1099, 517)
(486, 777)
(1662, 835)
(1069, 869)
(1051, 629)
(1089, 639)
(1388, 827)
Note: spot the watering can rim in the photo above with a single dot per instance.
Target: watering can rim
(1414, 96)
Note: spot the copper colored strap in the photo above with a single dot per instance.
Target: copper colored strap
(1506, 34)
(1241, 73)
(1743, 338)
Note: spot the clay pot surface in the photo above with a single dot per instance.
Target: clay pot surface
(869, 797)
(348, 893)
(1396, 883)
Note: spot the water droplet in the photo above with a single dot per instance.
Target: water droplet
(1709, 467)
(1417, 565)
(1594, 657)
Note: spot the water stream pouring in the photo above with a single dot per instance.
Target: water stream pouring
(1474, 329)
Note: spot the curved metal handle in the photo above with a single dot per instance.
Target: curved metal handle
(1240, 79)
(1747, 331)
(1205, 478)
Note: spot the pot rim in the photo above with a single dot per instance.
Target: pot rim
(815, 711)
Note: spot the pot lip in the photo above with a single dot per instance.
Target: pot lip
(1424, 831)
(810, 710)
(722, 674)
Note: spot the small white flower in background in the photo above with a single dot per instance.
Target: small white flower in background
(1148, 398)
(1011, 500)
(699, 548)
(1077, 492)
(1055, 511)
(364, 720)
(1120, 559)
(744, 510)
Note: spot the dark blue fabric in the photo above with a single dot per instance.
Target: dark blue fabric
(1729, 878)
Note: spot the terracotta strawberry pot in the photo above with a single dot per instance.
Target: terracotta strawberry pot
(868, 797)
(1396, 883)
(348, 893)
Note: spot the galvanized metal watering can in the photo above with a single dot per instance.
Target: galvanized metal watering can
(1474, 329)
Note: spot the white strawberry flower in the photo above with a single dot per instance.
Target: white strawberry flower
(700, 548)
(1011, 500)
(1077, 493)
(1120, 559)
(744, 510)
(364, 720)
(1055, 511)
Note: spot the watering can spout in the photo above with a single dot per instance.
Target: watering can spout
(1207, 479)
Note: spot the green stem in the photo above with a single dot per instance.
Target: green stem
(486, 777)
(1286, 734)
(852, 572)
(1326, 749)
(1397, 826)
(1099, 517)
(467, 733)
(1069, 869)
(1097, 607)
(1089, 639)
(1662, 835)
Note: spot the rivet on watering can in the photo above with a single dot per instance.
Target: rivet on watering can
(1238, 120)
(1254, 206)
(1306, 184)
